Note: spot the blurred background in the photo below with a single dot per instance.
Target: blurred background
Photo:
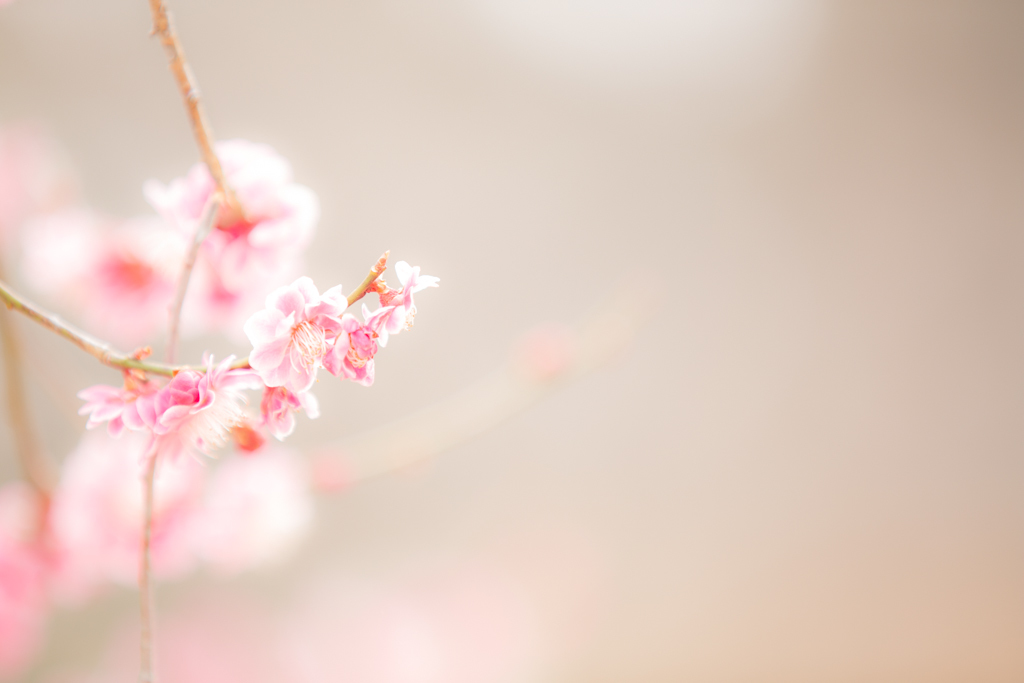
(806, 466)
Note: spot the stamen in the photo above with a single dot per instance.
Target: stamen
(354, 358)
(311, 342)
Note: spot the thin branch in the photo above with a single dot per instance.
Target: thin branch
(202, 230)
(145, 587)
(379, 267)
(36, 467)
(104, 353)
(164, 29)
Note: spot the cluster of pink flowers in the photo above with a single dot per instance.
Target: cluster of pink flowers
(246, 257)
(119, 277)
(299, 332)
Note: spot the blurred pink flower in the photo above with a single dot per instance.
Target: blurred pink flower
(35, 177)
(258, 506)
(96, 517)
(404, 310)
(461, 623)
(290, 336)
(23, 577)
(213, 639)
(247, 258)
(119, 276)
(278, 408)
(351, 357)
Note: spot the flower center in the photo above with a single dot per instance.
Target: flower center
(361, 348)
(310, 340)
(128, 273)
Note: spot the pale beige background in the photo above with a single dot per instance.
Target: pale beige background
(809, 466)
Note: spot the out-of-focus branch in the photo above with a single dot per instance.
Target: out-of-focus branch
(145, 587)
(379, 267)
(36, 467)
(202, 229)
(546, 360)
(164, 29)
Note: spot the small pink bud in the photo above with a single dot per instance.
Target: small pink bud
(247, 439)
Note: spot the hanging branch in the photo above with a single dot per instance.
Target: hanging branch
(164, 29)
(202, 230)
(145, 586)
(509, 390)
(36, 467)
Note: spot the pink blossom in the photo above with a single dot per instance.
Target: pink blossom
(257, 508)
(96, 518)
(351, 357)
(401, 300)
(290, 336)
(196, 411)
(118, 276)
(23, 575)
(251, 255)
(279, 406)
(104, 403)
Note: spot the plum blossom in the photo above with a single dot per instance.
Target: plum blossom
(104, 403)
(96, 518)
(290, 336)
(279, 406)
(23, 578)
(351, 357)
(257, 509)
(401, 300)
(195, 411)
(119, 276)
(242, 260)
